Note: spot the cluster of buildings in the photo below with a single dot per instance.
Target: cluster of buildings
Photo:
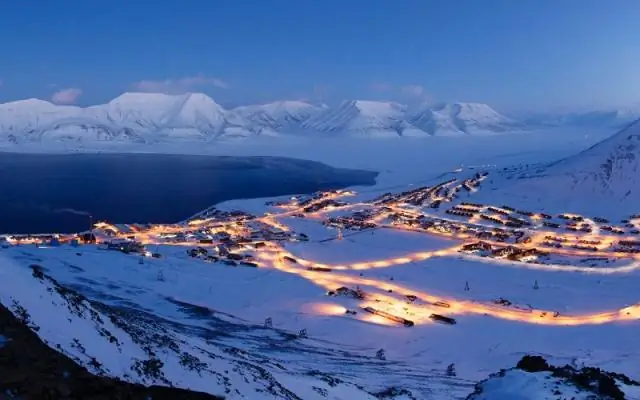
(228, 254)
(581, 244)
(355, 222)
(628, 246)
(613, 229)
(509, 252)
(323, 205)
(344, 291)
(305, 202)
(421, 196)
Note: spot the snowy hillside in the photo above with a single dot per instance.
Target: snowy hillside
(604, 178)
(461, 118)
(135, 346)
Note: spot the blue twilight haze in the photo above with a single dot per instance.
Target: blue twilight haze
(511, 54)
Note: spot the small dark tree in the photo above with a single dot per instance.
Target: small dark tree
(451, 370)
(380, 355)
(607, 387)
(533, 364)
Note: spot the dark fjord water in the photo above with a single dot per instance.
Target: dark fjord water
(56, 193)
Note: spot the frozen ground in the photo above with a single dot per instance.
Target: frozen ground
(216, 313)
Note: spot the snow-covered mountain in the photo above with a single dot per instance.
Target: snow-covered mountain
(605, 177)
(153, 117)
(361, 118)
(613, 118)
(274, 118)
(156, 117)
(181, 115)
(388, 119)
(461, 119)
(17, 118)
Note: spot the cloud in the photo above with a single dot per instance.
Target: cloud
(66, 96)
(180, 85)
(381, 87)
(413, 91)
(409, 92)
(320, 92)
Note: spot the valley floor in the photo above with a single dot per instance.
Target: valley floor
(275, 328)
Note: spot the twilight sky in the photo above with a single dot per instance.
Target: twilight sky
(512, 54)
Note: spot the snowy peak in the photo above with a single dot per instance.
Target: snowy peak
(190, 115)
(31, 104)
(360, 118)
(375, 108)
(289, 107)
(187, 105)
(200, 112)
(460, 118)
(17, 118)
(285, 116)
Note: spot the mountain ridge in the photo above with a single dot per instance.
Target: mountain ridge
(151, 117)
(154, 117)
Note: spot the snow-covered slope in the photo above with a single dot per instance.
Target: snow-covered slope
(137, 347)
(461, 118)
(605, 177)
